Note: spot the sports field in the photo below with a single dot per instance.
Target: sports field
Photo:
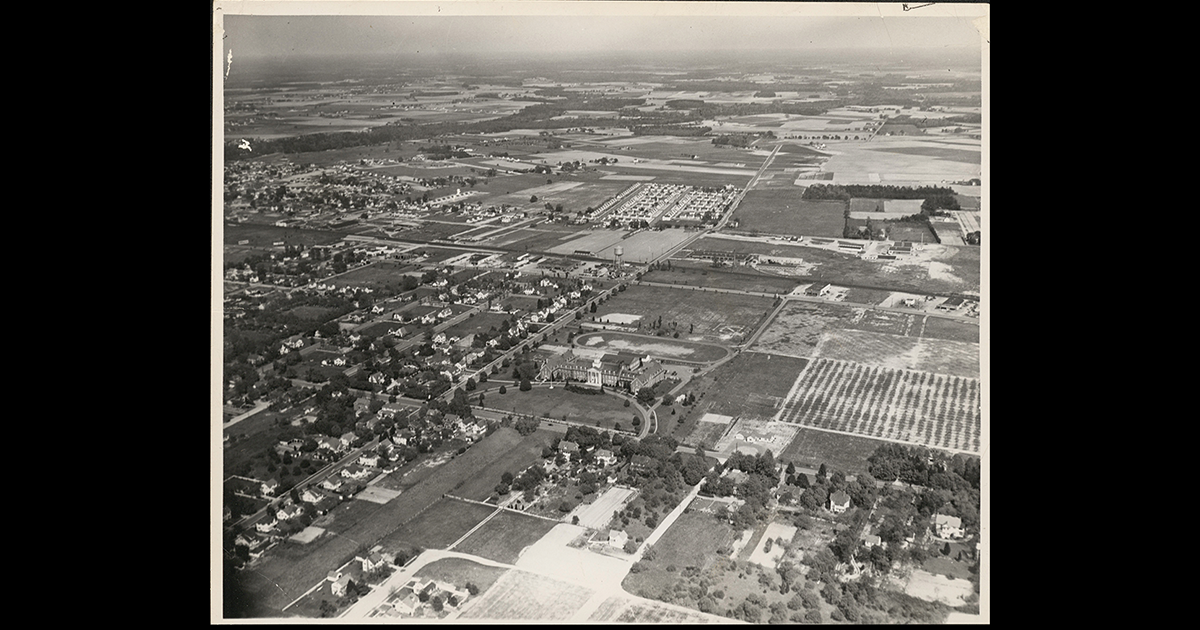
(658, 347)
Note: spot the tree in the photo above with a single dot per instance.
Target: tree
(533, 199)
(526, 385)
(503, 389)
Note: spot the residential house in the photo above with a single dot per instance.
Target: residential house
(369, 459)
(569, 449)
(606, 457)
(348, 439)
(354, 471)
(250, 540)
(643, 464)
(338, 588)
(333, 444)
(266, 523)
(314, 495)
(371, 562)
(444, 313)
(839, 502)
(948, 526)
(269, 487)
(617, 538)
(333, 482)
(439, 338)
(288, 512)
(872, 541)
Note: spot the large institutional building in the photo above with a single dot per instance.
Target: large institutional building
(597, 368)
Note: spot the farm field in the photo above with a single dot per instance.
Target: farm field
(922, 408)
(697, 274)
(658, 347)
(290, 568)
(781, 211)
(751, 385)
(524, 596)
(437, 526)
(716, 316)
(593, 410)
(848, 453)
(879, 162)
(504, 536)
(643, 611)
(956, 358)
(801, 327)
(950, 329)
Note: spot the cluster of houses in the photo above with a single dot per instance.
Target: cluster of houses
(413, 598)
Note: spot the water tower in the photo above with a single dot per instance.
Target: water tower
(618, 252)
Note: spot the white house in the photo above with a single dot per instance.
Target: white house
(948, 526)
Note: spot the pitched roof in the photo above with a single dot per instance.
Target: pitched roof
(840, 498)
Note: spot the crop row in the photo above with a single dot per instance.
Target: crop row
(936, 410)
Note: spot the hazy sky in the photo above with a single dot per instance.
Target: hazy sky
(607, 26)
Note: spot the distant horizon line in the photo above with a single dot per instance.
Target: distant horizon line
(604, 52)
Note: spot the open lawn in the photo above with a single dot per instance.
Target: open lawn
(801, 327)
(593, 410)
(504, 536)
(438, 526)
(519, 456)
(375, 275)
(692, 541)
(532, 240)
(664, 348)
(477, 323)
(781, 211)
(848, 453)
(263, 236)
(646, 245)
(523, 596)
(921, 408)
(460, 572)
(719, 317)
(433, 231)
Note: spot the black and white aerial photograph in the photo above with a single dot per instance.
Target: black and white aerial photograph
(590, 312)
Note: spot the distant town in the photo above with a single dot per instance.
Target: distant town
(570, 343)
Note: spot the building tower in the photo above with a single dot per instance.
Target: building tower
(618, 253)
